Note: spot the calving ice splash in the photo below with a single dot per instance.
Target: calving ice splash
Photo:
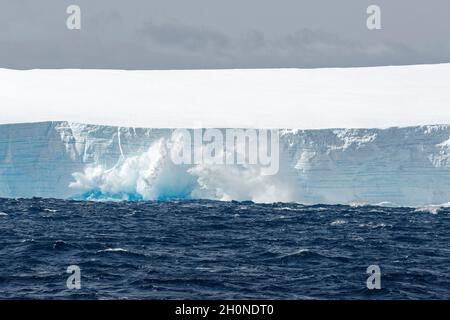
(189, 163)
(228, 147)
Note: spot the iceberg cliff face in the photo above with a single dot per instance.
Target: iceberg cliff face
(404, 166)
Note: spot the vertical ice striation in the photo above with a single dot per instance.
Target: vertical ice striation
(404, 166)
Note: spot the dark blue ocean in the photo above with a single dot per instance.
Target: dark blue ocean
(220, 250)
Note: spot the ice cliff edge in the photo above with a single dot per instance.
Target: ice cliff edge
(407, 166)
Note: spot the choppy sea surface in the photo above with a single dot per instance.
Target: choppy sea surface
(220, 250)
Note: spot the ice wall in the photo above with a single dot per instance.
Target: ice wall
(403, 166)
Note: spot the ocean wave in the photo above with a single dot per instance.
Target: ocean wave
(338, 222)
(198, 249)
(113, 250)
(375, 225)
(433, 209)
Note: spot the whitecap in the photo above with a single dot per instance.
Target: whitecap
(113, 250)
(386, 204)
(285, 209)
(338, 222)
(295, 253)
(433, 209)
(356, 204)
(373, 225)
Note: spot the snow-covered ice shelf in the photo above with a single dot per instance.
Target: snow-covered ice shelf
(377, 97)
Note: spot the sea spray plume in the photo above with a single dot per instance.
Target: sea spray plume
(148, 176)
(233, 164)
(229, 147)
(240, 182)
(153, 175)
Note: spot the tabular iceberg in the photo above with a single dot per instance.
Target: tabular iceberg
(404, 166)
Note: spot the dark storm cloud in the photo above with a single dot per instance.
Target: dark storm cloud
(176, 34)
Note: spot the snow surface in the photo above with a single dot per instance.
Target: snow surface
(378, 97)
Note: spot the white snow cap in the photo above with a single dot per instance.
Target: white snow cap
(376, 97)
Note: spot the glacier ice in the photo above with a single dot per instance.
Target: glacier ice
(405, 166)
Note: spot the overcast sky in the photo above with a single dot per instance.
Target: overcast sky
(200, 34)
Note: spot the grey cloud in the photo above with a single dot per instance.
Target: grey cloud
(177, 34)
(191, 38)
(301, 48)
